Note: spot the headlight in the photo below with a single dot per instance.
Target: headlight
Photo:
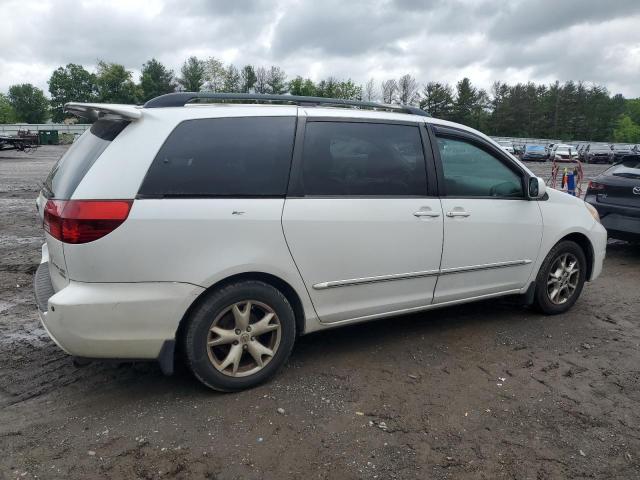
(592, 210)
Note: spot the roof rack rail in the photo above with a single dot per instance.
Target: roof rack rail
(180, 99)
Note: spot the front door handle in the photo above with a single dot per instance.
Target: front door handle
(457, 213)
(426, 213)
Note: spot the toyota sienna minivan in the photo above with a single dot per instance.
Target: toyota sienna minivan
(231, 228)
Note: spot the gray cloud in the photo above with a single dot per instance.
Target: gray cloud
(520, 20)
(443, 40)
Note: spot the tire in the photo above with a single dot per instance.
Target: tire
(211, 336)
(543, 301)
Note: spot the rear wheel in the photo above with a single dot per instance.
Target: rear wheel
(561, 278)
(239, 336)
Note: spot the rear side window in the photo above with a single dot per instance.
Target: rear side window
(73, 166)
(363, 159)
(248, 156)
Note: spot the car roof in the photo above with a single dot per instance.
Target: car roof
(192, 111)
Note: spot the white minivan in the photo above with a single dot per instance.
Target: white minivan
(227, 229)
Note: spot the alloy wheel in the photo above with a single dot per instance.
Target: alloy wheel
(563, 278)
(244, 338)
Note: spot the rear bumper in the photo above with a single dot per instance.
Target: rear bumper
(620, 221)
(113, 320)
(622, 225)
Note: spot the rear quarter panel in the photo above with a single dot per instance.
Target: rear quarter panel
(197, 241)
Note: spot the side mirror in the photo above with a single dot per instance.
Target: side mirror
(537, 188)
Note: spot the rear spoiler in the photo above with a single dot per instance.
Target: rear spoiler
(94, 111)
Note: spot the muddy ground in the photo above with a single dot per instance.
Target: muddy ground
(488, 390)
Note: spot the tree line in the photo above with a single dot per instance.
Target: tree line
(569, 111)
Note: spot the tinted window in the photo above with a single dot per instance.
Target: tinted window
(341, 158)
(471, 172)
(224, 157)
(73, 166)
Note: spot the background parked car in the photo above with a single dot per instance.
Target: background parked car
(621, 150)
(598, 153)
(615, 193)
(563, 153)
(518, 148)
(534, 153)
(581, 150)
(507, 146)
(549, 148)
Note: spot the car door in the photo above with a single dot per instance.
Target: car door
(362, 222)
(492, 233)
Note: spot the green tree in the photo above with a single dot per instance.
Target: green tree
(328, 88)
(70, 84)
(192, 74)
(115, 84)
(465, 102)
(29, 103)
(276, 81)
(155, 80)
(348, 90)
(632, 108)
(302, 86)
(214, 75)
(626, 131)
(232, 80)
(247, 78)
(437, 99)
(7, 114)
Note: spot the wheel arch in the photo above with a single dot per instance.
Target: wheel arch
(287, 290)
(585, 244)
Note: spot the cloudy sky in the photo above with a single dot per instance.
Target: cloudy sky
(509, 40)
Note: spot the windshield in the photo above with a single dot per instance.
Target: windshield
(534, 148)
(599, 148)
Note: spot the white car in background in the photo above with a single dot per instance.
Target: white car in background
(564, 153)
(507, 146)
(231, 229)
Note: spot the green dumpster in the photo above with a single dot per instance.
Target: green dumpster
(48, 137)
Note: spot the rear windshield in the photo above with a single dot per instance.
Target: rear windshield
(73, 166)
(629, 168)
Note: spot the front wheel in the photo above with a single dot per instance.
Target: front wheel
(239, 336)
(561, 278)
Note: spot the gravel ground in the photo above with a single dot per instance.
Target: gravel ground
(488, 390)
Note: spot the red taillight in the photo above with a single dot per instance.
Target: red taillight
(82, 221)
(595, 186)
